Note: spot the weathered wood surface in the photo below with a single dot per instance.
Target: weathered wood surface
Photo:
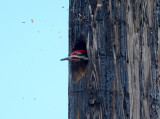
(122, 77)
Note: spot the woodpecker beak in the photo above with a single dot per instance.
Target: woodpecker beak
(66, 58)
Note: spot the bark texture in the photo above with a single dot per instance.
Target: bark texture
(121, 80)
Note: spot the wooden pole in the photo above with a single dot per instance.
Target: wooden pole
(122, 77)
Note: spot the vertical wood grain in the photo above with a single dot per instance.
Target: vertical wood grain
(122, 77)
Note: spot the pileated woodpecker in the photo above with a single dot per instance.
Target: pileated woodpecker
(77, 55)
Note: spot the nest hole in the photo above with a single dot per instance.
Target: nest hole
(79, 45)
(78, 68)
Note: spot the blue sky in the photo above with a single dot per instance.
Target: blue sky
(33, 81)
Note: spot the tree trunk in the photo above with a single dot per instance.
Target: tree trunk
(121, 80)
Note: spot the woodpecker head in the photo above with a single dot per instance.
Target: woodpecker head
(77, 55)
